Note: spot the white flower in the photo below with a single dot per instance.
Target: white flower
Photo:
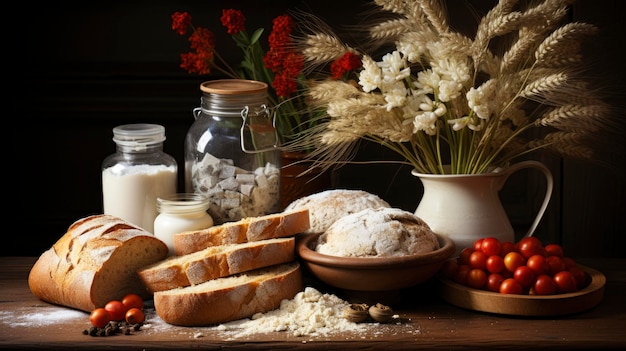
(475, 124)
(449, 90)
(370, 78)
(427, 81)
(479, 99)
(459, 123)
(424, 113)
(394, 67)
(412, 46)
(395, 95)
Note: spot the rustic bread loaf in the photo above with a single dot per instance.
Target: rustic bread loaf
(216, 262)
(278, 225)
(94, 262)
(225, 299)
(380, 232)
(328, 206)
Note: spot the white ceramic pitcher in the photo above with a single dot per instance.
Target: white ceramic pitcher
(466, 207)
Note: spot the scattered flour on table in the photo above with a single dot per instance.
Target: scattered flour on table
(42, 316)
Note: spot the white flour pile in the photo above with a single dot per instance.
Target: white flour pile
(309, 313)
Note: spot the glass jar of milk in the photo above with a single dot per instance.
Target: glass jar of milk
(179, 213)
(137, 174)
(231, 152)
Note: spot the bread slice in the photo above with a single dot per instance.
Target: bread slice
(216, 262)
(94, 262)
(278, 225)
(230, 298)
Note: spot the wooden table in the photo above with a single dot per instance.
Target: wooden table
(425, 322)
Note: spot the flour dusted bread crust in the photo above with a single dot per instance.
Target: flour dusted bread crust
(94, 262)
(230, 298)
(381, 232)
(278, 225)
(216, 262)
(328, 206)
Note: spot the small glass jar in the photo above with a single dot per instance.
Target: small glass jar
(179, 213)
(137, 174)
(231, 153)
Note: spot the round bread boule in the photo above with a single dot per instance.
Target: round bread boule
(380, 232)
(328, 206)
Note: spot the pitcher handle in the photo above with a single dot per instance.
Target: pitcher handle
(550, 184)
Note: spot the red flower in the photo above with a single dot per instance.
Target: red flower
(281, 32)
(283, 85)
(233, 20)
(194, 62)
(202, 40)
(180, 22)
(283, 61)
(346, 63)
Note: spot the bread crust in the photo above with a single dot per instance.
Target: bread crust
(249, 229)
(95, 262)
(231, 298)
(216, 262)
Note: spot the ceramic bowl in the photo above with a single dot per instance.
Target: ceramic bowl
(372, 274)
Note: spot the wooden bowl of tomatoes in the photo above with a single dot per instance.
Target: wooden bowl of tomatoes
(524, 279)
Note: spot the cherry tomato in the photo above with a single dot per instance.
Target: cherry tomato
(555, 265)
(569, 262)
(490, 246)
(99, 317)
(511, 286)
(135, 315)
(493, 282)
(565, 282)
(449, 268)
(478, 260)
(495, 264)
(529, 246)
(461, 274)
(132, 300)
(525, 276)
(476, 278)
(506, 247)
(464, 255)
(477, 244)
(538, 264)
(513, 260)
(554, 250)
(544, 285)
(580, 276)
(116, 310)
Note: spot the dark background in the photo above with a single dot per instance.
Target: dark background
(76, 71)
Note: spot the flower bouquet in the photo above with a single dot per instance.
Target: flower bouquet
(281, 66)
(440, 98)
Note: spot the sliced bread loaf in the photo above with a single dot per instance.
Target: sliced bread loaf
(230, 298)
(249, 229)
(216, 262)
(94, 262)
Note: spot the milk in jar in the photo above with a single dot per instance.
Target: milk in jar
(137, 174)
